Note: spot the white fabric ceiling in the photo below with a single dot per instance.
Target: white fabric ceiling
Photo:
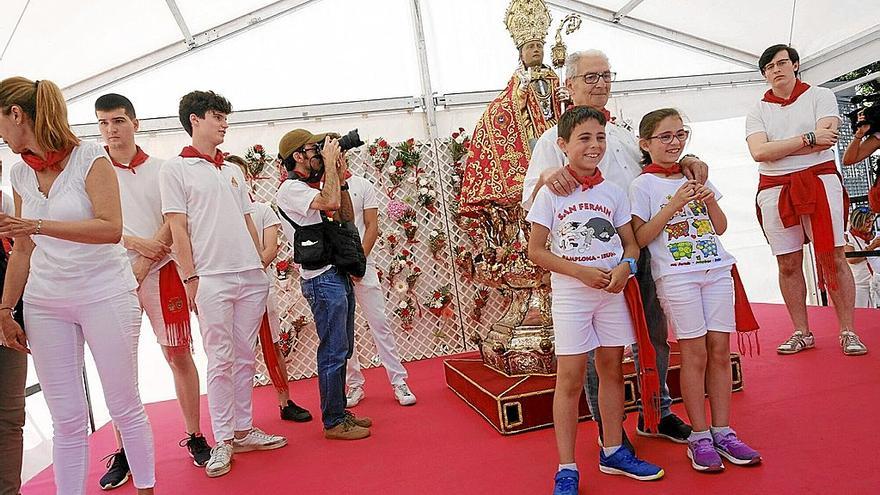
(340, 50)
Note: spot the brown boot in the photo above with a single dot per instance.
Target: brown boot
(363, 422)
(347, 430)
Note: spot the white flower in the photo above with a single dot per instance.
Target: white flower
(423, 190)
(402, 304)
(401, 286)
(432, 193)
(414, 223)
(411, 180)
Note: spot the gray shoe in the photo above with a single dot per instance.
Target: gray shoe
(796, 343)
(851, 345)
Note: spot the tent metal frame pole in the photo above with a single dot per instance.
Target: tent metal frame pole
(181, 23)
(424, 70)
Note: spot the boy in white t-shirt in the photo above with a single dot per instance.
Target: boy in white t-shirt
(592, 255)
(207, 204)
(161, 294)
(790, 133)
(679, 220)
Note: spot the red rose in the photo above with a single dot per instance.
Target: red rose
(411, 141)
(513, 257)
(455, 135)
(258, 148)
(517, 245)
(383, 143)
(405, 252)
(283, 265)
(398, 163)
(372, 151)
(417, 270)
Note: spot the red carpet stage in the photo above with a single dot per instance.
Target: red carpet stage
(814, 417)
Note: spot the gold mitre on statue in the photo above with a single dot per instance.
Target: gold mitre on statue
(527, 20)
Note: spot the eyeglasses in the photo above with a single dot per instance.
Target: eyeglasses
(593, 77)
(667, 137)
(782, 62)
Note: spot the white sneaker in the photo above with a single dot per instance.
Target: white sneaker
(221, 460)
(354, 396)
(796, 343)
(257, 439)
(851, 344)
(404, 395)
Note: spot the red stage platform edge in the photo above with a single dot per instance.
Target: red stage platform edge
(515, 404)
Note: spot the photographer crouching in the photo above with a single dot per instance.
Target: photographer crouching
(318, 224)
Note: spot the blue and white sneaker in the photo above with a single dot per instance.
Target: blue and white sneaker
(566, 482)
(624, 462)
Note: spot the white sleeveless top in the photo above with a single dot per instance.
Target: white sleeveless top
(67, 273)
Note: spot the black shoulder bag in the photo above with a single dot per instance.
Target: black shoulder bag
(310, 249)
(328, 243)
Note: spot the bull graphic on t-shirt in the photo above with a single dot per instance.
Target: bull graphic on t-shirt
(703, 226)
(681, 250)
(580, 235)
(708, 247)
(677, 229)
(698, 208)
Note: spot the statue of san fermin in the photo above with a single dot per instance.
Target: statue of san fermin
(521, 342)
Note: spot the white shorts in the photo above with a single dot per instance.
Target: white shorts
(698, 301)
(586, 318)
(151, 303)
(274, 317)
(789, 240)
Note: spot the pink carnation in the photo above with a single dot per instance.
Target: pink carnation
(397, 209)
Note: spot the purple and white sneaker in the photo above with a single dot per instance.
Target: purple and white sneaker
(734, 450)
(703, 457)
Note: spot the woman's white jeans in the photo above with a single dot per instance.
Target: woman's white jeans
(56, 336)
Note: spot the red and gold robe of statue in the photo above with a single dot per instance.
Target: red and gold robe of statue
(500, 146)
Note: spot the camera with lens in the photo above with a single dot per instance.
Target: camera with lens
(346, 142)
(866, 115)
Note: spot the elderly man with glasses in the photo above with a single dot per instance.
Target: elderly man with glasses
(588, 79)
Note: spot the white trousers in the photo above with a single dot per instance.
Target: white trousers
(230, 308)
(56, 336)
(369, 297)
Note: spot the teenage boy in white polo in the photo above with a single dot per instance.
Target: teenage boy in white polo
(147, 237)
(206, 202)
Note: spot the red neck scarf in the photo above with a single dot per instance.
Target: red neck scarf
(659, 169)
(606, 113)
(587, 182)
(317, 184)
(191, 152)
(800, 88)
(803, 193)
(865, 236)
(53, 158)
(139, 158)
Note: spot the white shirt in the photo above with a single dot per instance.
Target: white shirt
(264, 217)
(294, 198)
(68, 273)
(688, 243)
(784, 122)
(215, 203)
(583, 227)
(620, 164)
(363, 197)
(141, 203)
(862, 271)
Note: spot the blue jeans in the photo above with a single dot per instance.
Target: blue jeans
(331, 299)
(658, 331)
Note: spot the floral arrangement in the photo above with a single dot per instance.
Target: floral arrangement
(440, 302)
(413, 277)
(481, 299)
(406, 311)
(459, 145)
(390, 242)
(257, 158)
(427, 196)
(437, 241)
(405, 216)
(380, 152)
(464, 262)
(407, 159)
(288, 338)
(399, 262)
(283, 268)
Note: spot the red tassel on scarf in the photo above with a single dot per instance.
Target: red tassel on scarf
(746, 324)
(649, 378)
(277, 374)
(175, 308)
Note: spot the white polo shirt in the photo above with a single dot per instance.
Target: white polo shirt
(784, 122)
(294, 198)
(620, 165)
(215, 202)
(67, 273)
(8, 205)
(364, 196)
(141, 203)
